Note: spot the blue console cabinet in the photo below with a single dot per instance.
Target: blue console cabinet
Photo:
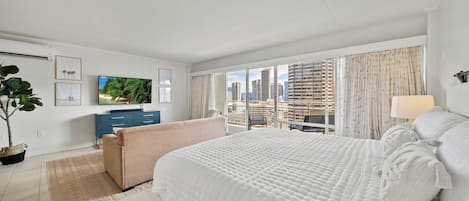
(123, 119)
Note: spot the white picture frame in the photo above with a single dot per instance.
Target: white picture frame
(165, 95)
(68, 68)
(165, 80)
(165, 77)
(67, 94)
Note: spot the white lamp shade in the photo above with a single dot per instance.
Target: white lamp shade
(409, 107)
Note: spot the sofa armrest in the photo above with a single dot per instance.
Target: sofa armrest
(113, 158)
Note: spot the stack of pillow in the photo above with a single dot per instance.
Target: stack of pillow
(411, 171)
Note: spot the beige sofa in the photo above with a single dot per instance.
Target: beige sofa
(131, 154)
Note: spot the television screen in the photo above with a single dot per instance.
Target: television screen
(122, 90)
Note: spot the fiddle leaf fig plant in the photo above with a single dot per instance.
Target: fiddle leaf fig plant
(16, 94)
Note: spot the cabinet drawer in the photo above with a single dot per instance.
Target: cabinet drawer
(109, 118)
(148, 115)
(117, 117)
(107, 128)
(119, 125)
(145, 122)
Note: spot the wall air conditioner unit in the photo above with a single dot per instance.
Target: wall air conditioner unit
(23, 49)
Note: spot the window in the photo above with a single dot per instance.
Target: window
(307, 103)
(164, 82)
(303, 95)
(296, 96)
(261, 98)
(236, 101)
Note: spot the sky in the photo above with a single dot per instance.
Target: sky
(255, 74)
(102, 81)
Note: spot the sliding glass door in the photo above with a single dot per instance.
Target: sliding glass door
(297, 96)
(307, 95)
(261, 95)
(236, 101)
(307, 103)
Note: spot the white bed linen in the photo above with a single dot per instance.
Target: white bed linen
(272, 165)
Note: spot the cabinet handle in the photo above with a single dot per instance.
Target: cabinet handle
(113, 125)
(148, 115)
(121, 117)
(149, 121)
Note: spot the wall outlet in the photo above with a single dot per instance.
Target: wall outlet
(40, 133)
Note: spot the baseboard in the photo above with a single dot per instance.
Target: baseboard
(36, 152)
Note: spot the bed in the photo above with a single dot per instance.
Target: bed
(273, 165)
(279, 165)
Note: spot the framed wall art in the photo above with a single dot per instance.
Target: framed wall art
(165, 81)
(165, 94)
(67, 94)
(68, 68)
(165, 77)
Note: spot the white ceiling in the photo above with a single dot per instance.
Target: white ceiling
(193, 30)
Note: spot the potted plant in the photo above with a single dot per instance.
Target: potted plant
(15, 95)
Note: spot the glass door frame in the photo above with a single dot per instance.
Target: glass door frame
(276, 120)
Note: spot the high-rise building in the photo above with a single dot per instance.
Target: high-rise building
(285, 91)
(272, 90)
(265, 83)
(309, 89)
(236, 91)
(256, 90)
(279, 90)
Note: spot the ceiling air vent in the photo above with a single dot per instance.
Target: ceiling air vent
(23, 49)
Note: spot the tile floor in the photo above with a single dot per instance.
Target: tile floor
(28, 181)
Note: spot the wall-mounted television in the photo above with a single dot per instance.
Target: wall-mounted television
(123, 90)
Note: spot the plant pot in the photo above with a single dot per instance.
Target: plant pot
(12, 155)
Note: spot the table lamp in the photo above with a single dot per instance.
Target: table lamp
(409, 107)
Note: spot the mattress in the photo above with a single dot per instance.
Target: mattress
(271, 165)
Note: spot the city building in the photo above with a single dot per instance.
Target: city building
(265, 82)
(236, 91)
(308, 89)
(256, 90)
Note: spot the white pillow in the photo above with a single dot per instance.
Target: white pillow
(413, 173)
(396, 136)
(453, 152)
(433, 123)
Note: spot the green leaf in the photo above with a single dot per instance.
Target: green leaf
(6, 70)
(14, 83)
(35, 100)
(4, 91)
(25, 84)
(28, 107)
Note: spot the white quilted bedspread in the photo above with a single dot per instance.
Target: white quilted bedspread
(271, 165)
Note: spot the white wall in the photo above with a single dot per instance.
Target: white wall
(394, 29)
(67, 127)
(448, 46)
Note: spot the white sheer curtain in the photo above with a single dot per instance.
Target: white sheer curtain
(202, 96)
(366, 84)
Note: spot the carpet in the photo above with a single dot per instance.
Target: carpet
(83, 178)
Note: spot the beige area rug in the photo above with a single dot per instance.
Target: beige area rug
(83, 178)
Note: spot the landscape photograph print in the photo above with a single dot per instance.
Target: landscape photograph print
(121, 90)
